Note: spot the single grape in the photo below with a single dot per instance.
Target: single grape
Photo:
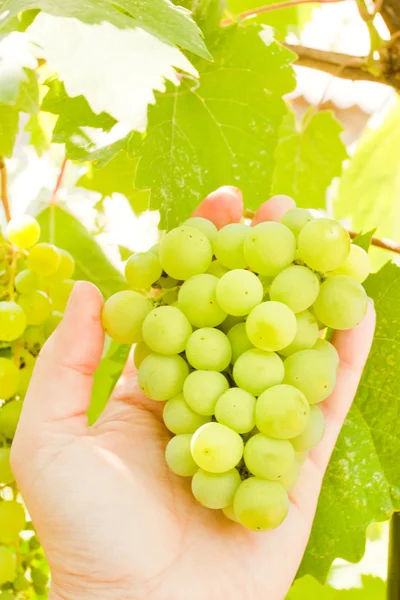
(228, 245)
(313, 433)
(238, 292)
(256, 370)
(51, 324)
(260, 505)
(268, 458)
(166, 330)
(290, 478)
(236, 409)
(140, 353)
(327, 349)
(20, 584)
(311, 373)
(25, 372)
(185, 252)
(59, 294)
(8, 566)
(180, 418)
(269, 248)
(216, 448)
(178, 455)
(26, 282)
(306, 333)
(296, 219)
(36, 306)
(161, 377)
(123, 315)
(142, 270)
(12, 521)
(23, 232)
(44, 259)
(202, 390)
(12, 321)
(282, 412)
(155, 249)
(217, 268)
(9, 378)
(170, 297)
(271, 326)
(6, 475)
(9, 417)
(197, 299)
(208, 349)
(33, 338)
(240, 343)
(356, 265)
(296, 286)
(215, 490)
(342, 302)
(229, 322)
(323, 244)
(229, 513)
(204, 225)
(65, 269)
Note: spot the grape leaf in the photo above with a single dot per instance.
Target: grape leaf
(38, 137)
(17, 53)
(306, 160)
(223, 131)
(364, 239)
(362, 483)
(308, 588)
(9, 118)
(206, 13)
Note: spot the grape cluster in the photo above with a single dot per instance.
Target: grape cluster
(35, 283)
(227, 326)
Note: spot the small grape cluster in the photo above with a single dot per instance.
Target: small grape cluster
(35, 283)
(227, 326)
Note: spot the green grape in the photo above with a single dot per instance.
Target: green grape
(256, 370)
(238, 292)
(229, 322)
(36, 306)
(202, 390)
(313, 433)
(301, 457)
(296, 286)
(180, 418)
(171, 298)
(296, 219)
(12, 321)
(271, 326)
(44, 259)
(155, 249)
(230, 513)
(60, 293)
(9, 417)
(311, 373)
(142, 270)
(123, 315)
(236, 409)
(342, 302)
(39, 579)
(240, 343)
(20, 584)
(268, 458)
(327, 349)
(23, 232)
(216, 448)
(140, 353)
(8, 566)
(215, 490)
(208, 349)
(178, 455)
(9, 378)
(269, 248)
(166, 330)
(323, 244)
(26, 282)
(12, 521)
(197, 299)
(356, 265)
(51, 324)
(266, 281)
(260, 505)
(282, 412)
(25, 372)
(217, 268)
(185, 252)
(228, 246)
(6, 475)
(306, 333)
(161, 377)
(204, 225)
(167, 282)
(289, 479)
(65, 269)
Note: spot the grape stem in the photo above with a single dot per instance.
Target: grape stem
(4, 189)
(384, 243)
(53, 199)
(270, 7)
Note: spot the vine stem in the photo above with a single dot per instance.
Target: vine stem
(4, 189)
(270, 7)
(53, 199)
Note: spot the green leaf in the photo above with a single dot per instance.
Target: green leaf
(308, 158)
(38, 137)
(364, 239)
(17, 54)
(206, 13)
(91, 262)
(308, 588)
(223, 131)
(9, 119)
(362, 481)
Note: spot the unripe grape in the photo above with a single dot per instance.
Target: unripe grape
(8, 566)
(180, 418)
(9, 417)
(228, 245)
(216, 448)
(185, 252)
(342, 302)
(204, 225)
(23, 232)
(26, 282)
(324, 244)
(9, 378)
(123, 315)
(44, 259)
(12, 321)
(37, 307)
(12, 521)
(260, 505)
(161, 377)
(65, 269)
(178, 455)
(215, 490)
(142, 270)
(6, 475)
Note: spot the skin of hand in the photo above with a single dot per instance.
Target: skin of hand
(114, 522)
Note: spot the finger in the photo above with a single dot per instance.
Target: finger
(273, 209)
(222, 207)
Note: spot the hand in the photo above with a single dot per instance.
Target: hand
(114, 522)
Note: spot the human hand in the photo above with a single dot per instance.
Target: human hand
(114, 522)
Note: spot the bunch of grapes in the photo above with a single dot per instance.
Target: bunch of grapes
(229, 330)
(35, 283)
